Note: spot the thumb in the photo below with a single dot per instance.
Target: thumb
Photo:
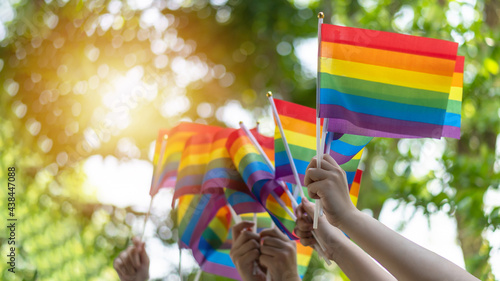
(308, 207)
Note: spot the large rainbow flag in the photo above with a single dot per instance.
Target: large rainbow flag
(384, 84)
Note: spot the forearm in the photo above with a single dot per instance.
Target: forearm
(357, 264)
(403, 258)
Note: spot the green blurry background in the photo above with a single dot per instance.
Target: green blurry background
(84, 78)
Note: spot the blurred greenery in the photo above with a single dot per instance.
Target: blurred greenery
(80, 78)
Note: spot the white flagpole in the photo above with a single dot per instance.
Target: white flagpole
(198, 275)
(154, 184)
(319, 150)
(298, 186)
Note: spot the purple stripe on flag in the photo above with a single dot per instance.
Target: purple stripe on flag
(257, 176)
(340, 158)
(248, 207)
(284, 173)
(385, 127)
(451, 132)
(215, 268)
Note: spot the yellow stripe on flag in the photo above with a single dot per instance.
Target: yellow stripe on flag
(387, 75)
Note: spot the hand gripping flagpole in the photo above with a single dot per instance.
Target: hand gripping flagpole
(319, 149)
(154, 184)
(320, 247)
(298, 186)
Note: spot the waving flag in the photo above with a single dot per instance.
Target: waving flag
(177, 138)
(222, 177)
(267, 144)
(384, 84)
(452, 120)
(212, 250)
(193, 165)
(299, 126)
(194, 212)
(347, 150)
(249, 163)
(259, 178)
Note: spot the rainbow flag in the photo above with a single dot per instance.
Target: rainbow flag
(259, 178)
(194, 212)
(280, 217)
(249, 163)
(212, 250)
(267, 144)
(193, 165)
(220, 169)
(299, 126)
(347, 150)
(243, 201)
(177, 138)
(222, 177)
(384, 84)
(452, 120)
(156, 157)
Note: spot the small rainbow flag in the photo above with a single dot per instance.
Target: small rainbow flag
(194, 212)
(299, 126)
(347, 149)
(177, 138)
(384, 84)
(222, 177)
(247, 160)
(259, 178)
(212, 250)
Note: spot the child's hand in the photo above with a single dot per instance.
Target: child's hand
(329, 184)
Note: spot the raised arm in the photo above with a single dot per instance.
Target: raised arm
(403, 258)
(353, 261)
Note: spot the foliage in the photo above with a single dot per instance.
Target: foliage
(101, 77)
